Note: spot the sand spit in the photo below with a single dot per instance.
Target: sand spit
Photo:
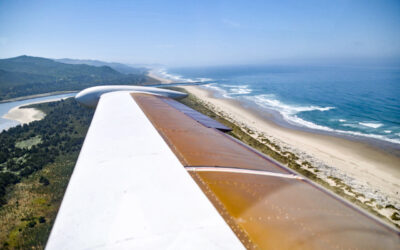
(26, 115)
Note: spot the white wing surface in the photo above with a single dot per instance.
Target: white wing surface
(129, 190)
(155, 174)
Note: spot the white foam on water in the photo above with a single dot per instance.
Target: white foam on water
(371, 124)
(270, 101)
(375, 136)
(353, 125)
(178, 78)
(312, 125)
(289, 112)
(298, 121)
(218, 90)
(237, 89)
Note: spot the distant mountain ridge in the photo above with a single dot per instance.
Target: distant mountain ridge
(122, 68)
(27, 75)
(49, 67)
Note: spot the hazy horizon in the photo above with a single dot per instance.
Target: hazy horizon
(180, 33)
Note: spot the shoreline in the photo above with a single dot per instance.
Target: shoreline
(389, 147)
(151, 74)
(367, 173)
(25, 115)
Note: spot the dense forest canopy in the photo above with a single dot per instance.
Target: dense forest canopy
(62, 130)
(36, 161)
(26, 75)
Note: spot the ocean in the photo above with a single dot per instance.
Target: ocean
(354, 102)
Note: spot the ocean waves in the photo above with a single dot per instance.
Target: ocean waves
(229, 91)
(317, 100)
(371, 124)
(290, 113)
(270, 101)
(163, 73)
(237, 89)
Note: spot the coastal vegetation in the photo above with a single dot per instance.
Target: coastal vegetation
(36, 162)
(26, 75)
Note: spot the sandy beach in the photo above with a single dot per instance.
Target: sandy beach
(24, 115)
(27, 115)
(372, 174)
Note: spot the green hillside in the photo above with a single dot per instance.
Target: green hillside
(26, 75)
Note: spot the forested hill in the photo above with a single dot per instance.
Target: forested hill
(26, 75)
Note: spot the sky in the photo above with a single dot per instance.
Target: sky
(203, 32)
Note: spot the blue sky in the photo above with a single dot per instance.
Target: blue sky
(201, 32)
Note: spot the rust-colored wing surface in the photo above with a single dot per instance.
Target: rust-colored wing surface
(267, 205)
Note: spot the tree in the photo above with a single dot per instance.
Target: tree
(44, 181)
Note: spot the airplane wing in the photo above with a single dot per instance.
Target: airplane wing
(155, 174)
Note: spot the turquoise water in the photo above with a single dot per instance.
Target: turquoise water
(5, 107)
(360, 102)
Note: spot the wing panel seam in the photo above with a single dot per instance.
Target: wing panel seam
(241, 171)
